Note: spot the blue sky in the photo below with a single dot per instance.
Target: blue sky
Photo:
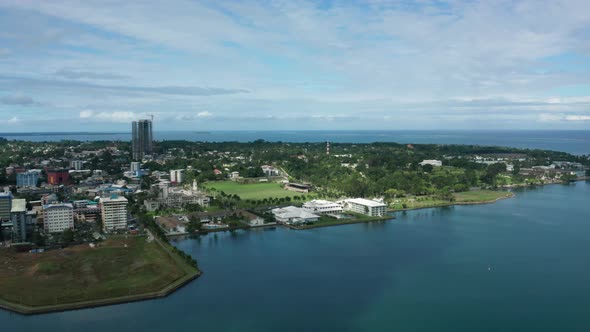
(263, 65)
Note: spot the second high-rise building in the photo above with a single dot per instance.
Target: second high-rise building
(142, 139)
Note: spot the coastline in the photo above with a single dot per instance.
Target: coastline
(190, 275)
(28, 310)
(508, 195)
(343, 222)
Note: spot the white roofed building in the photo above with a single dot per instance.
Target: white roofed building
(294, 215)
(365, 206)
(319, 206)
(436, 163)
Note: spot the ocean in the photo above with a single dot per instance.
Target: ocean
(572, 141)
(520, 264)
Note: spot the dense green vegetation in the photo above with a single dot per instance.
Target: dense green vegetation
(355, 170)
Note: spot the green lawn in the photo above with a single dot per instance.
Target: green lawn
(481, 195)
(476, 196)
(251, 190)
(119, 267)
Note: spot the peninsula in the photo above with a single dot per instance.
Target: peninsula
(87, 223)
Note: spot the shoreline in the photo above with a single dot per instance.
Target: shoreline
(190, 275)
(29, 311)
(508, 195)
(337, 223)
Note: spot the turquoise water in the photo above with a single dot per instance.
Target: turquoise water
(572, 141)
(517, 265)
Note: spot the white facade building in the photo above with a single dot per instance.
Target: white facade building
(58, 217)
(135, 166)
(176, 175)
(365, 206)
(319, 206)
(294, 215)
(114, 213)
(77, 164)
(436, 163)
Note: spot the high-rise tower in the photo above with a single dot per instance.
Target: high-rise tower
(142, 139)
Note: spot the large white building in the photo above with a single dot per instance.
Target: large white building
(435, 163)
(58, 217)
(135, 166)
(294, 215)
(365, 206)
(319, 206)
(176, 197)
(114, 213)
(77, 164)
(176, 175)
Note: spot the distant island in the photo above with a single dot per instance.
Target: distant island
(88, 223)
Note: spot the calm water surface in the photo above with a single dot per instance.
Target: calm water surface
(518, 265)
(572, 141)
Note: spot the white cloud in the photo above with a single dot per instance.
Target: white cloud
(556, 118)
(117, 116)
(577, 117)
(301, 61)
(86, 114)
(204, 114)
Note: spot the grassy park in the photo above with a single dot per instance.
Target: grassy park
(252, 191)
(119, 267)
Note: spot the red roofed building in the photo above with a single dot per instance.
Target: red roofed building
(58, 176)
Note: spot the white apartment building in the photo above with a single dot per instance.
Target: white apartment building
(365, 206)
(77, 164)
(135, 166)
(58, 217)
(176, 175)
(114, 213)
(319, 206)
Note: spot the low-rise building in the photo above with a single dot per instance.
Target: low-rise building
(365, 206)
(436, 163)
(294, 215)
(298, 187)
(77, 164)
(27, 179)
(177, 175)
(319, 206)
(114, 213)
(58, 177)
(58, 217)
(251, 219)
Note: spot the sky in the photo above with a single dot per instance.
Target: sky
(294, 65)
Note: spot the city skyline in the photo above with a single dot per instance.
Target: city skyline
(315, 65)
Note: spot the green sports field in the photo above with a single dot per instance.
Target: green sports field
(251, 190)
